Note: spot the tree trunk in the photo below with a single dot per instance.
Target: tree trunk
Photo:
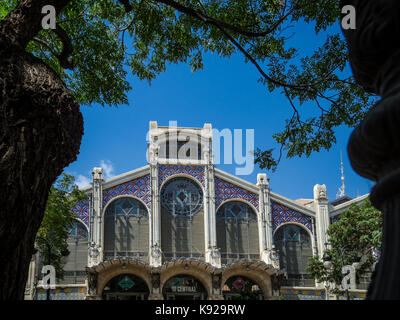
(40, 133)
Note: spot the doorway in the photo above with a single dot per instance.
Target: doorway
(126, 287)
(184, 287)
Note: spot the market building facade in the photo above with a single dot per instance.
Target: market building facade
(179, 228)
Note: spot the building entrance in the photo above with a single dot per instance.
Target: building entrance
(183, 287)
(125, 296)
(126, 287)
(241, 288)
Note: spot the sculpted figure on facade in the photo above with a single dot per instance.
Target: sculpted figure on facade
(320, 192)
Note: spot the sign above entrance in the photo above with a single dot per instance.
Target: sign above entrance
(126, 283)
(183, 289)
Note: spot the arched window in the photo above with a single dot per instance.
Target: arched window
(126, 230)
(237, 232)
(182, 197)
(76, 261)
(182, 219)
(295, 248)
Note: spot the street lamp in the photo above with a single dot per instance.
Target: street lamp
(49, 263)
(328, 261)
(64, 253)
(328, 266)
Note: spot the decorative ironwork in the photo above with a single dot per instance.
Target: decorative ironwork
(78, 231)
(295, 248)
(122, 224)
(236, 210)
(182, 197)
(291, 232)
(237, 227)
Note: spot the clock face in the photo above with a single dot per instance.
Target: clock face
(182, 197)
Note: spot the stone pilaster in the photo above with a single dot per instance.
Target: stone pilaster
(155, 293)
(213, 255)
(267, 252)
(95, 218)
(321, 217)
(155, 221)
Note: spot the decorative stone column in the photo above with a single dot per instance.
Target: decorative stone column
(92, 293)
(321, 217)
(374, 146)
(267, 252)
(155, 290)
(216, 284)
(213, 255)
(95, 218)
(155, 221)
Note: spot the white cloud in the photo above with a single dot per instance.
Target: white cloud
(82, 181)
(108, 169)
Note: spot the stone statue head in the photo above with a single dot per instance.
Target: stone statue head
(374, 44)
(320, 192)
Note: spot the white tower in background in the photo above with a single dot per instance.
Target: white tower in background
(342, 190)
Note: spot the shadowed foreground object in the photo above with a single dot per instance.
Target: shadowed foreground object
(374, 146)
(40, 133)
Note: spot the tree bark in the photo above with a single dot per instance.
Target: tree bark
(40, 134)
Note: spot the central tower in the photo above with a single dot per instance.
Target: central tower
(182, 153)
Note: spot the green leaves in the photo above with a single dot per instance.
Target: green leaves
(57, 222)
(358, 231)
(108, 43)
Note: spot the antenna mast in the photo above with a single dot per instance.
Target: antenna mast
(341, 191)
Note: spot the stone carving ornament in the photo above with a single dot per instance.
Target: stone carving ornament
(374, 146)
(92, 282)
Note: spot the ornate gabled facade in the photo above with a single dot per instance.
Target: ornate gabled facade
(179, 228)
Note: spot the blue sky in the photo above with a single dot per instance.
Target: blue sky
(227, 95)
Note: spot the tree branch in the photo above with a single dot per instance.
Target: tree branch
(126, 4)
(46, 44)
(25, 21)
(209, 20)
(66, 53)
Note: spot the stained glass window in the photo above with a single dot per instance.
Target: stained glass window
(126, 229)
(182, 197)
(78, 231)
(76, 261)
(237, 232)
(292, 232)
(295, 248)
(126, 207)
(236, 210)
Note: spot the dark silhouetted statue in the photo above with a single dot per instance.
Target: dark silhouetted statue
(374, 146)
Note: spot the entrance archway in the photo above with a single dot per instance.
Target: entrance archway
(184, 287)
(241, 288)
(126, 287)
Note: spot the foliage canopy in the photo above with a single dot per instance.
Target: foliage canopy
(57, 222)
(109, 37)
(354, 238)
